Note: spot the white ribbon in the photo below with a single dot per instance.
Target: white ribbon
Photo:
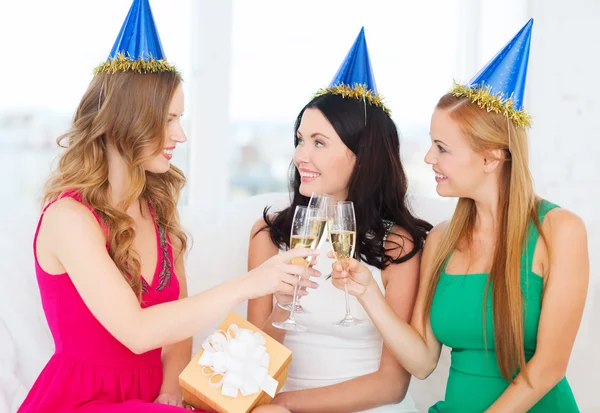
(237, 359)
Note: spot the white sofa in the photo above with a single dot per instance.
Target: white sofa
(219, 253)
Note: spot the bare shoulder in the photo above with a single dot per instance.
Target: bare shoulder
(68, 231)
(260, 234)
(438, 231)
(68, 215)
(259, 227)
(431, 245)
(568, 263)
(261, 246)
(435, 236)
(564, 228)
(563, 221)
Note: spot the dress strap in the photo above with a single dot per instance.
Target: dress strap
(387, 226)
(533, 233)
(77, 197)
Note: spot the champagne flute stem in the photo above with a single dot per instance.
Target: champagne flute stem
(347, 300)
(293, 309)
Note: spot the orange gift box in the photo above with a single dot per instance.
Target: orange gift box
(198, 392)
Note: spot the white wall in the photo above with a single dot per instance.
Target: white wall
(565, 148)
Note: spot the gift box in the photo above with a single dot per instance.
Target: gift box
(237, 369)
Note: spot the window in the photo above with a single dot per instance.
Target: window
(273, 56)
(282, 54)
(54, 60)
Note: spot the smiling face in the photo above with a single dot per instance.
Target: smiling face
(323, 160)
(174, 134)
(459, 170)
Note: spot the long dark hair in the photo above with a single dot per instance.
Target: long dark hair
(377, 184)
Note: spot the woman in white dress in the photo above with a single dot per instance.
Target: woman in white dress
(347, 146)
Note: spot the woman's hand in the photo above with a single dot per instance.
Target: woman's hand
(278, 276)
(285, 298)
(172, 400)
(352, 274)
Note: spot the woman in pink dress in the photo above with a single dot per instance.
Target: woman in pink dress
(109, 247)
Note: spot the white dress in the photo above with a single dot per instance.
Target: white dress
(326, 354)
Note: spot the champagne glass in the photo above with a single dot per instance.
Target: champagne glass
(319, 202)
(305, 233)
(341, 225)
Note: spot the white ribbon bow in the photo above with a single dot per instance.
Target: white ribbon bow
(239, 358)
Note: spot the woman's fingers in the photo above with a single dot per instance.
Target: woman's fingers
(306, 283)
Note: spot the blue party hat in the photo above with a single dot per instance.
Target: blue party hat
(354, 79)
(500, 85)
(138, 47)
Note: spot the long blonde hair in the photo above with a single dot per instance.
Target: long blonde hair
(488, 131)
(128, 111)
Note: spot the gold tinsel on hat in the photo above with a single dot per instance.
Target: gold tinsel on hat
(358, 91)
(121, 63)
(483, 96)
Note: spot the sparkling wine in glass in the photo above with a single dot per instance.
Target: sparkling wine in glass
(306, 233)
(318, 224)
(341, 225)
(320, 203)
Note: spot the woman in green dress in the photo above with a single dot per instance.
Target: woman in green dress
(504, 282)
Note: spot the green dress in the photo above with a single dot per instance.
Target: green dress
(475, 383)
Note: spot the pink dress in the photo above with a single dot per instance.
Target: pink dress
(91, 371)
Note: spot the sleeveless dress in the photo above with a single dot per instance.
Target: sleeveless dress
(475, 383)
(326, 354)
(91, 371)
